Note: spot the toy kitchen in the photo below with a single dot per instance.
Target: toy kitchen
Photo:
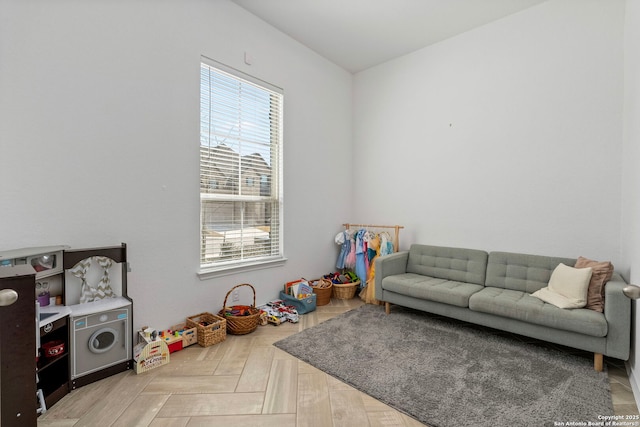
(81, 317)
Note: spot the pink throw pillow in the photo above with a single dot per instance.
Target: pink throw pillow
(602, 272)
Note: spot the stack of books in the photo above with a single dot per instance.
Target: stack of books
(299, 289)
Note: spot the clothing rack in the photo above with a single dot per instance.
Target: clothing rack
(368, 292)
(397, 228)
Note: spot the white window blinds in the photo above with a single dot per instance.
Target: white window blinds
(240, 169)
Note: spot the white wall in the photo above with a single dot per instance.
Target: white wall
(99, 122)
(507, 137)
(631, 172)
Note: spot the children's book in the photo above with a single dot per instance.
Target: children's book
(304, 290)
(289, 285)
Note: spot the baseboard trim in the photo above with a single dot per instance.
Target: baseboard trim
(634, 384)
(100, 375)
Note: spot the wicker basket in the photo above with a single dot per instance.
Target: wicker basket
(322, 288)
(212, 332)
(345, 290)
(240, 325)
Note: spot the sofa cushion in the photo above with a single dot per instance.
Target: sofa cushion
(521, 272)
(457, 264)
(522, 306)
(431, 288)
(602, 272)
(567, 287)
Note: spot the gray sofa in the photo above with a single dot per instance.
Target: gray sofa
(494, 289)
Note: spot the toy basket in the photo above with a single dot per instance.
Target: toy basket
(302, 305)
(322, 288)
(345, 290)
(240, 325)
(211, 329)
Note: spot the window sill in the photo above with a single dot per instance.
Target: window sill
(212, 272)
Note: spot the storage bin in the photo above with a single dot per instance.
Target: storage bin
(302, 306)
(211, 329)
(323, 289)
(345, 290)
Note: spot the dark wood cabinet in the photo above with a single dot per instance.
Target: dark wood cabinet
(53, 371)
(18, 403)
(46, 267)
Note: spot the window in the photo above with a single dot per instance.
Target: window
(240, 145)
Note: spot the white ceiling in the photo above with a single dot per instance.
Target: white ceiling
(358, 34)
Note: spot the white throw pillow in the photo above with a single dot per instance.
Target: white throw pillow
(567, 287)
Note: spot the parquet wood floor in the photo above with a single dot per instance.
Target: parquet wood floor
(246, 381)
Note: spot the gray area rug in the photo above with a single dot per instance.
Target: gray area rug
(446, 373)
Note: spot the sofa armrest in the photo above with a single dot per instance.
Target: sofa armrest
(389, 265)
(617, 312)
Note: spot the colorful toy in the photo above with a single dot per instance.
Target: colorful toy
(238, 310)
(277, 312)
(341, 278)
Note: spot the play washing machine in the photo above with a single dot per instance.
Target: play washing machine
(101, 339)
(101, 326)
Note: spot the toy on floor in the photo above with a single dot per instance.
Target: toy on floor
(277, 312)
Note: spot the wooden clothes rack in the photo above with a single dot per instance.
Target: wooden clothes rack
(368, 292)
(396, 228)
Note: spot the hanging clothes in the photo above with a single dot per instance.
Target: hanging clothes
(368, 293)
(371, 253)
(343, 240)
(360, 267)
(350, 261)
(374, 248)
(386, 246)
(367, 265)
(364, 247)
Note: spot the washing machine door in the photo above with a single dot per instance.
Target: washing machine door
(103, 340)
